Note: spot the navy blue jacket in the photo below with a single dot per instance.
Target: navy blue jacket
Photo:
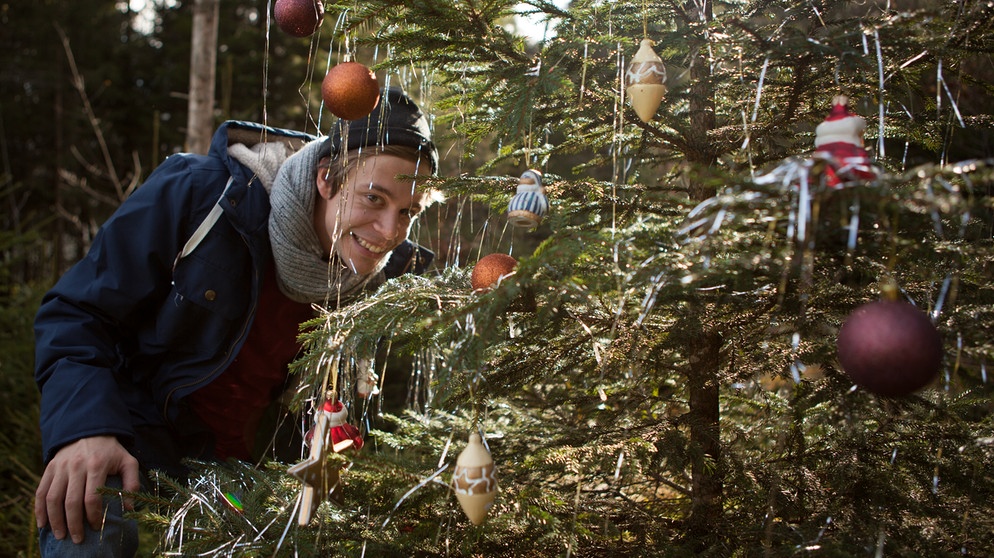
(124, 336)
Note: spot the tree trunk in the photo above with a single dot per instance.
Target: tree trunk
(703, 345)
(702, 120)
(707, 470)
(203, 62)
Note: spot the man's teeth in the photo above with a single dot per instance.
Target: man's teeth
(371, 247)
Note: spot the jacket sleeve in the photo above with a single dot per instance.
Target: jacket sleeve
(87, 323)
(408, 257)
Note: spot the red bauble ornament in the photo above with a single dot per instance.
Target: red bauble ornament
(490, 270)
(890, 348)
(299, 18)
(350, 91)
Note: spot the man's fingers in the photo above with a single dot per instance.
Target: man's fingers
(93, 499)
(66, 512)
(41, 504)
(55, 502)
(129, 479)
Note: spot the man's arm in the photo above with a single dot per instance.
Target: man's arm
(83, 330)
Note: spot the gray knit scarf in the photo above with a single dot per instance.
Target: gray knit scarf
(303, 270)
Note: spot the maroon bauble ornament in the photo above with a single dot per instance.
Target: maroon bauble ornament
(299, 18)
(890, 348)
(350, 90)
(490, 270)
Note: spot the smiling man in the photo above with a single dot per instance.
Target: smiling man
(170, 338)
(366, 209)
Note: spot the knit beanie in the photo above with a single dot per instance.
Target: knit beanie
(396, 120)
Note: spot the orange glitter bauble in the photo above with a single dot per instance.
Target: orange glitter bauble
(350, 91)
(491, 269)
(299, 18)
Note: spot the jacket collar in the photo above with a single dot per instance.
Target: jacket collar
(246, 202)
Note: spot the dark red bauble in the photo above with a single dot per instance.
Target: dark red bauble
(491, 269)
(299, 18)
(350, 90)
(890, 348)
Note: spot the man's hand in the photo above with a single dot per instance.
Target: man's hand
(68, 488)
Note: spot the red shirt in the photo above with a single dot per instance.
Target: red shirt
(233, 403)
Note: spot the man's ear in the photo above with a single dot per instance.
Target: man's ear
(323, 180)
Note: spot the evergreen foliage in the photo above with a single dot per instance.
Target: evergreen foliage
(584, 368)
(19, 441)
(659, 376)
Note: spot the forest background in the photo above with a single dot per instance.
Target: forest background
(93, 95)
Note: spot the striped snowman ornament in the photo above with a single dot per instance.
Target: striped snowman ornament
(529, 205)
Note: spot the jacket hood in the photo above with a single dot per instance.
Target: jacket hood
(251, 134)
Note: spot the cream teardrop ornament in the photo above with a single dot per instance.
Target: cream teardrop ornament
(475, 480)
(645, 79)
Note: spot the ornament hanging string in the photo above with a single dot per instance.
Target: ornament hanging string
(330, 371)
(880, 71)
(346, 56)
(432, 478)
(619, 116)
(308, 84)
(265, 66)
(583, 73)
(645, 19)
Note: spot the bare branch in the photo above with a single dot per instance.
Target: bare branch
(76, 181)
(78, 83)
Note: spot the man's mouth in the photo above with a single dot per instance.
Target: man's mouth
(371, 247)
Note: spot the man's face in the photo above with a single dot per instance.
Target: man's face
(371, 213)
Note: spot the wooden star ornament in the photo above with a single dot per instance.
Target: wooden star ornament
(321, 478)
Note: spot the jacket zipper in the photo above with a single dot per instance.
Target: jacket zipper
(229, 354)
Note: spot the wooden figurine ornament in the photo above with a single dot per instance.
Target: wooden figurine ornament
(529, 205)
(475, 480)
(321, 479)
(645, 80)
(367, 382)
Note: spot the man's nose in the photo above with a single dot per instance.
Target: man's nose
(388, 225)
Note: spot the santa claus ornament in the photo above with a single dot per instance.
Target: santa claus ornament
(890, 348)
(298, 18)
(475, 480)
(350, 90)
(491, 270)
(839, 140)
(645, 80)
(529, 205)
(320, 478)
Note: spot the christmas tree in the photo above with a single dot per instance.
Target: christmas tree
(657, 372)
